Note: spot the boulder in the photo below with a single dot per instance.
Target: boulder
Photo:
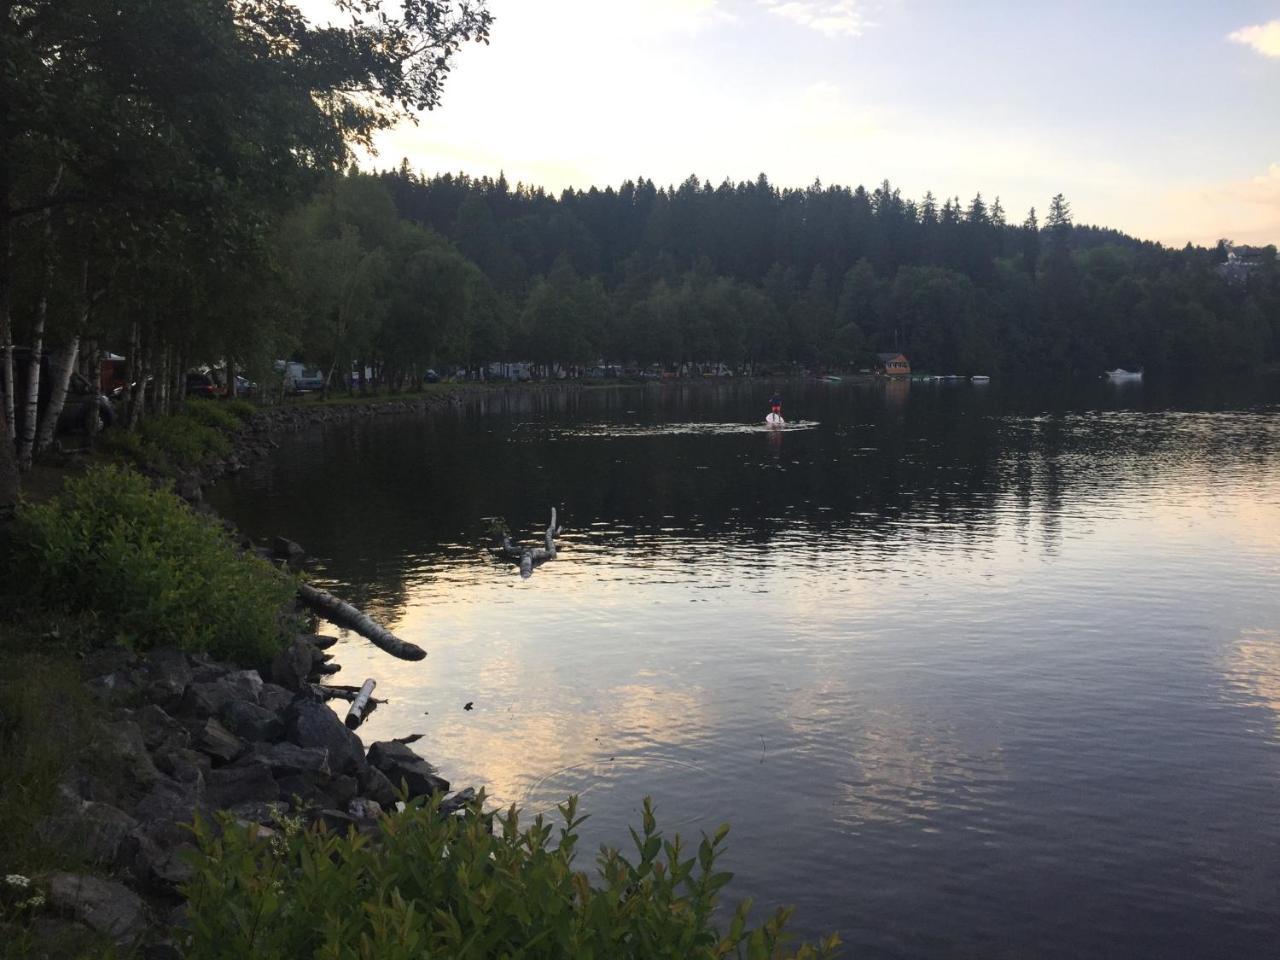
(247, 682)
(275, 698)
(335, 821)
(375, 785)
(315, 791)
(315, 725)
(210, 698)
(113, 687)
(89, 830)
(292, 666)
(212, 738)
(319, 641)
(165, 675)
(159, 730)
(159, 864)
(363, 808)
(188, 767)
(125, 740)
(252, 722)
(259, 812)
(108, 907)
(285, 759)
(458, 801)
(286, 549)
(402, 765)
(228, 786)
(167, 809)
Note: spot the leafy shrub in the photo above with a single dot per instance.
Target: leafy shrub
(434, 886)
(212, 413)
(127, 447)
(184, 440)
(148, 568)
(241, 409)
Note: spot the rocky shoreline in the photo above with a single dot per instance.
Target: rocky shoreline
(186, 737)
(189, 737)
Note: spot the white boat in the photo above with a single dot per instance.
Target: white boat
(1119, 374)
(774, 420)
(980, 379)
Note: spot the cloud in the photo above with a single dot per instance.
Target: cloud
(833, 18)
(1263, 37)
(1247, 211)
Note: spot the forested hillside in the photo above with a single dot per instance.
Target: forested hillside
(827, 274)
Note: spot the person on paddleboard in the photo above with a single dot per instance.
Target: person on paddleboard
(775, 404)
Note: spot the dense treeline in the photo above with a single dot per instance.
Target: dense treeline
(826, 275)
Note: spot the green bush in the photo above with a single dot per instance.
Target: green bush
(213, 413)
(445, 886)
(127, 447)
(151, 570)
(184, 440)
(241, 409)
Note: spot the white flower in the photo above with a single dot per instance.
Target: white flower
(36, 902)
(17, 880)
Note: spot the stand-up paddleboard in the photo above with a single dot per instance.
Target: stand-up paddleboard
(774, 420)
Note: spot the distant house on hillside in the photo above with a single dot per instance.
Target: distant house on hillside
(893, 364)
(1242, 260)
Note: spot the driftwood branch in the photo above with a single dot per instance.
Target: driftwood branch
(345, 615)
(529, 557)
(340, 691)
(356, 714)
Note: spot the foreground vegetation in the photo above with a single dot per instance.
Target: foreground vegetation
(115, 562)
(450, 886)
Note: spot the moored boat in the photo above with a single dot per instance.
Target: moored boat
(980, 378)
(1121, 374)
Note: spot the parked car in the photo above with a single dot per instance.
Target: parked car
(432, 377)
(83, 399)
(299, 378)
(201, 385)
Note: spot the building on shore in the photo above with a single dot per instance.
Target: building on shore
(893, 364)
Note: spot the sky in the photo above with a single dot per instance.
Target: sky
(1161, 119)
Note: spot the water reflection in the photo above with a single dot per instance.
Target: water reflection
(944, 648)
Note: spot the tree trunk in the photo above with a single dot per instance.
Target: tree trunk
(9, 480)
(132, 374)
(163, 381)
(345, 615)
(91, 363)
(61, 365)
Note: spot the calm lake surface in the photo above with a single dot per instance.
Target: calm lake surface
(971, 672)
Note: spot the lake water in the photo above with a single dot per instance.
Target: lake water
(971, 672)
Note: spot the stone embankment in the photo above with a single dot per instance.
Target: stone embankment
(191, 737)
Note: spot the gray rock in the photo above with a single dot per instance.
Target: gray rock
(152, 857)
(275, 698)
(458, 801)
(284, 759)
(159, 730)
(108, 907)
(402, 765)
(285, 549)
(257, 811)
(167, 810)
(206, 670)
(315, 725)
(212, 738)
(252, 722)
(375, 785)
(292, 666)
(188, 767)
(247, 682)
(363, 808)
(319, 641)
(90, 830)
(335, 821)
(318, 791)
(113, 687)
(165, 675)
(229, 786)
(125, 740)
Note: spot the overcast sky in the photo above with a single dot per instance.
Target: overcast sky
(1159, 118)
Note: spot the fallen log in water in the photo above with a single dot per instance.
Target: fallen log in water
(338, 691)
(345, 615)
(529, 557)
(356, 714)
